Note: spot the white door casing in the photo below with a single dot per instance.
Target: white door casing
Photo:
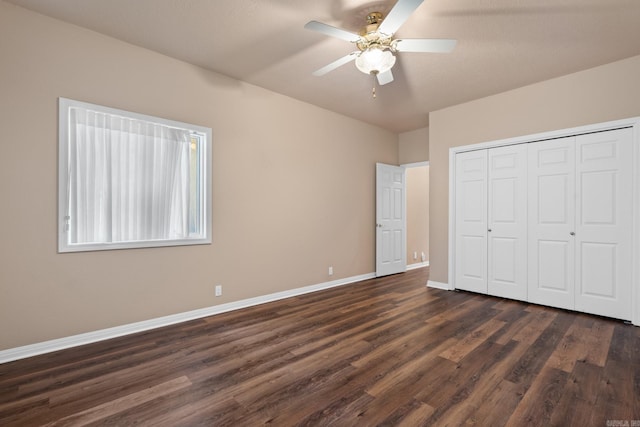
(391, 218)
(471, 221)
(507, 222)
(603, 240)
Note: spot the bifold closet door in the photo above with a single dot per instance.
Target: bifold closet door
(580, 223)
(491, 221)
(471, 221)
(604, 223)
(507, 222)
(549, 222)
(551, 219)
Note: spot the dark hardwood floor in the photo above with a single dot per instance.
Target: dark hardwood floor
(385, 351)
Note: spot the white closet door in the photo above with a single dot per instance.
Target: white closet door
(471, 221)
(604, 223)
(507, 222)
(551, 208)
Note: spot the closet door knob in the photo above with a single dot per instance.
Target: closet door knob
(572, 233)
(489, 230)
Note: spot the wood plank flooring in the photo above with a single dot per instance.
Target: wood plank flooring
(385, 351)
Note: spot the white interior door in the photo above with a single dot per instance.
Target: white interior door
(471, 221)
(507, 222)
(551, 209)
(391, 220)
(604, 223)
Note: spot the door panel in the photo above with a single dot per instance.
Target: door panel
(551, 222)
(553, 266)
(604, 223)
(390, 220)
(473, 267)
(553, 207)
(471, 221)
(503, 261)
(507, 222)
(598, 262)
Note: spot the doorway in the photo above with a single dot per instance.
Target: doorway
(417, 179)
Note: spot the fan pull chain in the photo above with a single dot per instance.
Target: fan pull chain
(373, 91)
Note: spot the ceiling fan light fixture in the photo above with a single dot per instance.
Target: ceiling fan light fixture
(375, 60)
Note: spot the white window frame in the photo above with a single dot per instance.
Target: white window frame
(204, 181)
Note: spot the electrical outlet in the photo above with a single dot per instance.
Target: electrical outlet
(415, 255)
(330, 271)
(218, 290)
(424, 257)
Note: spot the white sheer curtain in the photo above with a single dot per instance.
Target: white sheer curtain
(128, 179)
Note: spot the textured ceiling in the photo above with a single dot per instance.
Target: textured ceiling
(502, 44)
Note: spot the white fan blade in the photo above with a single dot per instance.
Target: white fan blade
(384, 78)
(335, 64)
(425, 45)
(332, 31)
(398, 16)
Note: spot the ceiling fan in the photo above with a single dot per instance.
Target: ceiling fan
(375, 42)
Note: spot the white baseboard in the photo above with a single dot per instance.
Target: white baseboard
(145, 325)
(438, 285)
(417, 265)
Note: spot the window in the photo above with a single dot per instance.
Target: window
(128, 180)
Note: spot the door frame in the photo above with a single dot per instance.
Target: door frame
(633, 122)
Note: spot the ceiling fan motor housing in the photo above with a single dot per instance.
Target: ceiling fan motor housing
(370, 37)
(374, 18)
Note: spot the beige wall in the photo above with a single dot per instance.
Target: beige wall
(600, 94)
(413, 147)
(417, 213)
(293, 186)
